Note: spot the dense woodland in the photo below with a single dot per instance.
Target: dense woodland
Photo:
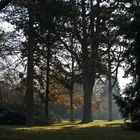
(63, 56)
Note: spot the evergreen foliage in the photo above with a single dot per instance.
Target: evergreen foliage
(129, 103)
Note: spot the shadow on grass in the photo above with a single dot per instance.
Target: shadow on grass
(70, 131)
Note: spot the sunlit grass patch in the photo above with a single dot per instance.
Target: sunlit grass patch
(66, 124)
(97, 130)
(59, 126)
(102, 124)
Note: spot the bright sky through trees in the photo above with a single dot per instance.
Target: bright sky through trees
(122, 81)
(6, 26)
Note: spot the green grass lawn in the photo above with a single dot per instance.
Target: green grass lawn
(98, 130)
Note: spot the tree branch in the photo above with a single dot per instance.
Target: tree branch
(4, 3)
(72, 52)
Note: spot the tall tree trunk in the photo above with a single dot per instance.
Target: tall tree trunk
(87, 106)
(88, 85)
(88, 70)
(109, 100)
(47, 106)
(71, 92)
(30, 71)
(109, 86)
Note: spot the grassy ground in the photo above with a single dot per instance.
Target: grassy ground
(99, 130)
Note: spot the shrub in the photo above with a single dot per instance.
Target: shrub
(12, 117)
(135, 125)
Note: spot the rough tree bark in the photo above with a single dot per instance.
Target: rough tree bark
(30, 71)
(88, 70)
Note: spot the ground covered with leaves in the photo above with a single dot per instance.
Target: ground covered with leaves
(98, 130)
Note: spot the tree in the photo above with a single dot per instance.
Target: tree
(83, 21)
(83, 31)
(100, 99)
(30, 23)
(129, 102)
(113, 56)
(111, 45)
(30, 70)
(91, 31)
(28, 8)
(67, 73)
